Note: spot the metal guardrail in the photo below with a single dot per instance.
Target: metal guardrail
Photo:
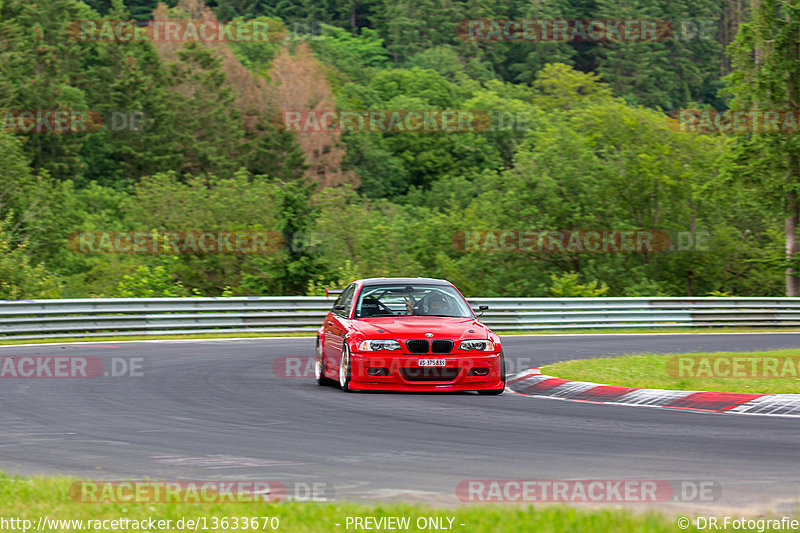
(102, 317)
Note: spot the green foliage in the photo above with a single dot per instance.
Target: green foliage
(353, 55)
(684, 66)
(151, 282)
(720, 294)
(523, 61)
(338, 279)
(289, 270)
(143, 9)
(567, 286)
(666, 73)
(258, 54)
(427, 86)
(578, 140)
(392, 164)
(644, 287)
(20, 277)
(40, 209)
(41, 68)
(143, 123)
(765, 55)
(378, 238)
(560, 87)
(412, 26)
(446, 60)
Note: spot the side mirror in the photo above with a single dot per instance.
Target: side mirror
(339, 307)
(482, 308)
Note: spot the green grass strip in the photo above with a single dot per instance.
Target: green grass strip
(32, 498)
(751, 372)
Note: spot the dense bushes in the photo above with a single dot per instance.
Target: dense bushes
(565, 151)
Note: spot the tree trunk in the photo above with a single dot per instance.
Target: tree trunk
(734, 13)
(792, 285)
(790, 228)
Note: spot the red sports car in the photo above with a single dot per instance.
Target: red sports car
(408, 334)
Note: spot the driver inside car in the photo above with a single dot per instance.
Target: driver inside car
(437, 305)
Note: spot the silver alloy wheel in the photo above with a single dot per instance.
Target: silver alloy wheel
(318, 372)
(344, 367)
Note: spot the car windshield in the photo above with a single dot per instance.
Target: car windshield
(411, 300)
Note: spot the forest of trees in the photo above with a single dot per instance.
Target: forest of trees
(584, 136)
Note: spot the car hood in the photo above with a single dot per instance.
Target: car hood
(414, 327)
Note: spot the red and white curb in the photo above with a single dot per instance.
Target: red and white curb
(533, 383)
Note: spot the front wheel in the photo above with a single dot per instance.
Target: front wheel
(502, 374)
(319, 365)
(344, 369)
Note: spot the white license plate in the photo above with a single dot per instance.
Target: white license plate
(432, 362)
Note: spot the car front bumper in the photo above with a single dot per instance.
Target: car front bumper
(402, 372)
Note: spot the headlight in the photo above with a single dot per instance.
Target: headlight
(372, 345)
(481, 346)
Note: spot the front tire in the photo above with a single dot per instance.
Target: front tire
(319, 365)
(344, 369)
(497, 392)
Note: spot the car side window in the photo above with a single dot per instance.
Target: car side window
(346, 299)
(339, 300)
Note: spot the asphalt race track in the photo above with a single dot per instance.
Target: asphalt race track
(203, 410)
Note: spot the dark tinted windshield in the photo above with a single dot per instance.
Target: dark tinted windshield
(411, 300)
